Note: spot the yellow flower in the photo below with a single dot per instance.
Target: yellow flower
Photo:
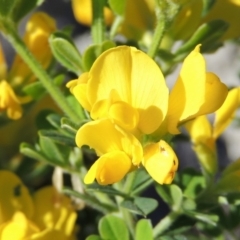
(9, 101)
(187, 20)
(144, 19)
(204, 134)
(82, 10)
(119, 151)
(195, 93)
(38, 29)
(229, 11)
(54, 212)
(14, 196)
(127, 86)
(18, 228)
(45, 216)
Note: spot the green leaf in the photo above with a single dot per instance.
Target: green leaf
(93, 52)
(50, 149)
(118, 6)
(211, 219)
(144, 230)
(233, 167)
(91, 201)
(171, 194)
(35, 90)
(191, 181)
(105, 189)
(14, 10)
(78, 108)
(140, 205)
(69, 125)
(94, 237)
(114, 228)
(30, 151)
(141, 181)
(208, 34)
(66, 52)
(57, 137)
(229, 183)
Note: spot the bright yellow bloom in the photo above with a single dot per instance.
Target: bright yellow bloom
(229, 11)
(82, 10)
(119, 151)
(38, 29)
(195, 93)
(127, 86)
(48, 214)
(204, 134)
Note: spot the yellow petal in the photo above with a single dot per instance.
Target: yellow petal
(199, 129)
(137, 80)
(14, 196)
(124, 115)
(105, 137)
(19, 228)
(187, 95)
(109, 168)
(82, 10)
(160, 161)
(53, 210)
(215, 94)
(9, 102)
(226, 112)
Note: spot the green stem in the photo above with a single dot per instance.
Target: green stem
(98, 24)
(157, 37)
(165, 223)
(126, 215)
(39, 72)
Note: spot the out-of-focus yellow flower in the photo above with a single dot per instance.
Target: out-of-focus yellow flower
(144, 18)
(82, 10)
(229, 11)
(18, 228)
(38, 29)
(204, 134)
(48, 214)
(187, 20)
(195, 93)
(9, 102)
(14, 196)
(127, 86)
(53, 213)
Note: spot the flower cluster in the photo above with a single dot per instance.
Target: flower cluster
(45, 215)
(127, 97)
(38, 29)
